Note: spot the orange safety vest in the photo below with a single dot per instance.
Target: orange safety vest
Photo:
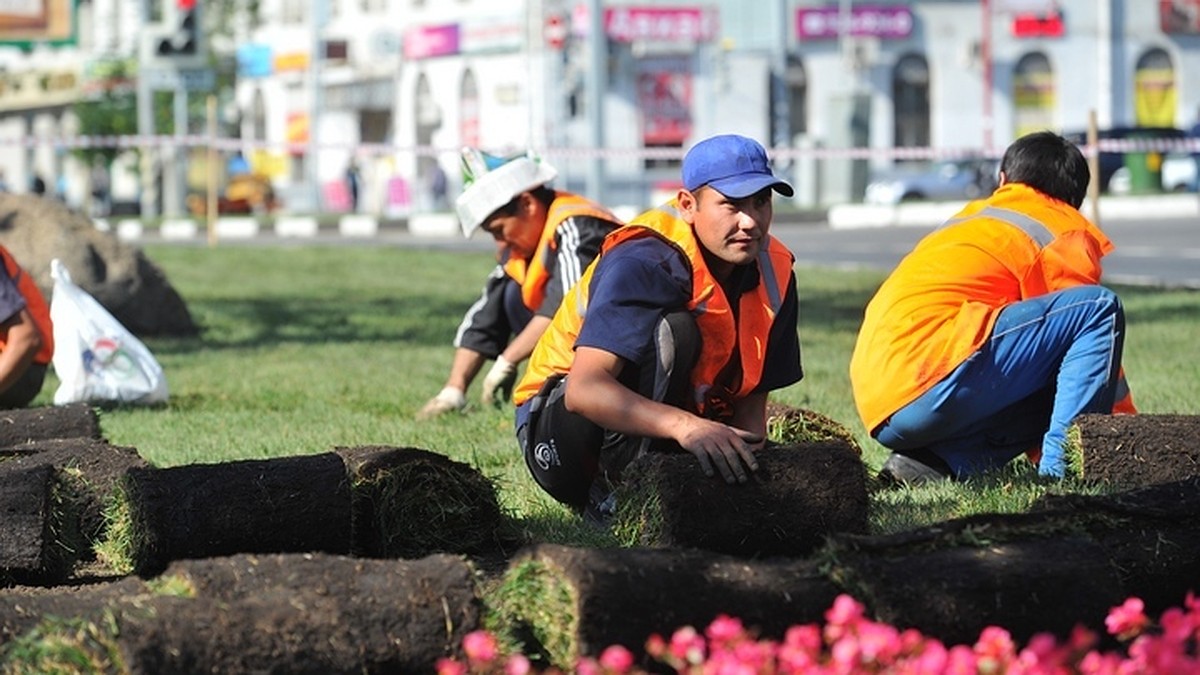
(35, 302)
(532, 274)
(732, 355)
(938, 306)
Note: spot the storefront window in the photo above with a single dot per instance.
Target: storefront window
(796, 81)
(1033, 95)
(910, 96)
(1154, 95)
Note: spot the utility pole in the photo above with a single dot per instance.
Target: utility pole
(316, 55)
(782, 131)
(596, 84)
(985, 54)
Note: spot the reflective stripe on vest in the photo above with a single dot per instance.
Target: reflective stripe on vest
(1031, 226)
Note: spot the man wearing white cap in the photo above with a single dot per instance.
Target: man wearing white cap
(672, 339)
(546, 238)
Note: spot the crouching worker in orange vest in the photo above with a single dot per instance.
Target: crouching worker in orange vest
(671, 340)
(994, 333)
(545, 239)
(26, 335)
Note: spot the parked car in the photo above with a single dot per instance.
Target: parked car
(1179, 172)
(952, 179)
(1117, 163)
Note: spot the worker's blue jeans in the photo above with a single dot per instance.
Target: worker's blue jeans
(1047, 360)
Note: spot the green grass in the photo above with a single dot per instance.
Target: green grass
(306, 348)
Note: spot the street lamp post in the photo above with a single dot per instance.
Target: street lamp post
(597, 70)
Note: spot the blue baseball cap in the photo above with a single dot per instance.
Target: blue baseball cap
(733, 165)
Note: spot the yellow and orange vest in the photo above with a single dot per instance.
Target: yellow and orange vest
(35, 302)
(733, 351)
(532, 275)
(939, 305)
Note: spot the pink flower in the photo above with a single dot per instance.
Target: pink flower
(518, 664)
(687, 645)
(448, 666)
(1095, 663)
(725, 629)
(616, 659)
(587, 667)
(480, 646)
(1128, 620)
(656, 646)
(845, 610)
(930, 659)
(994, 649)
(960, 660)
(879, 642)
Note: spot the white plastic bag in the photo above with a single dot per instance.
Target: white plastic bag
(95, 357)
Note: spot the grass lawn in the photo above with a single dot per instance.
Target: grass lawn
(304, 348)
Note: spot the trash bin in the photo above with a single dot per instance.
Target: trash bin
(1145, 168)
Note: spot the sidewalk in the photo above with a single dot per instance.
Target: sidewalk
(443, 226)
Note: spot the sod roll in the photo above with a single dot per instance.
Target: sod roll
(566, 602)
(24, 425)
(281, 505)
(800, 494)
(31, 550)
(410, 502)
(1137, 450)
(286, 613)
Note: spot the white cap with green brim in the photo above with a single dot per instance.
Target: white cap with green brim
(490, 182)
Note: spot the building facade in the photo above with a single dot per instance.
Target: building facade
(837, 88)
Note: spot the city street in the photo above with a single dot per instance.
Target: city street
(1155, 251)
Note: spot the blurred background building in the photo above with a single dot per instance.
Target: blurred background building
(310, 93)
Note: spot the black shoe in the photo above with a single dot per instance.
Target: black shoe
(602, 504)
(906, 470)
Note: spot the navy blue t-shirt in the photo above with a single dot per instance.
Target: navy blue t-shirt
(639, 281)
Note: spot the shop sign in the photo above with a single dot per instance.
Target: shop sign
(423, 42)
(254, 60)
(1179, 17)
(291, 61)
(824, 23)
(491, 34)
(296, 127)
(660, 24)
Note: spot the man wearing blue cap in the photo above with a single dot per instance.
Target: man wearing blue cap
(544, 238)
(671, 340)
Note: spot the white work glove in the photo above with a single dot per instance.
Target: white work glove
(498, 383)
(447, 400)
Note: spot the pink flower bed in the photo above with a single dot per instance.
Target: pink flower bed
(849, 644)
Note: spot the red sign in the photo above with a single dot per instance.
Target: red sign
(660, 24)
(1037, 26)
(1179, 17)
(556, 31)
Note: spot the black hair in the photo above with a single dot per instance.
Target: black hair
(542, 193)
(1049, 164)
